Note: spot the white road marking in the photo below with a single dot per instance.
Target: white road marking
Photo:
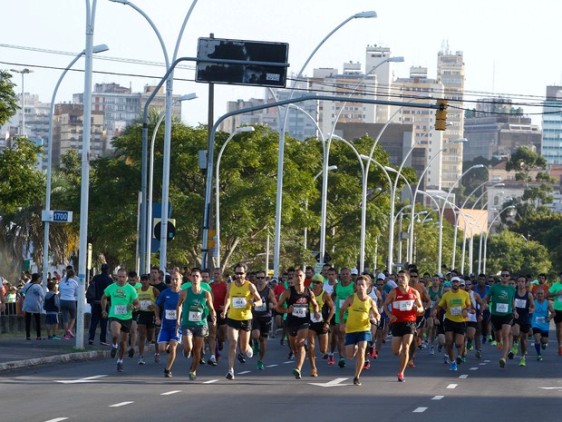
(482, 364)
(272, 365)
(420, 410)
(452, 386)
(551, 388)
(474, 368)
(463, 376)
(169, 393)
(123, 403)
(210, 381)
(82, 380)
(487, 360)
(57, 420)
(437, 398)
(289, 361)
(243, 372)
(333, 383)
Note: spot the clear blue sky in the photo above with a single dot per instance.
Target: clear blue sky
(510, 47)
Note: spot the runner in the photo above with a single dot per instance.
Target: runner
(421, 319)
(147, 295)
(298, 299)
(555, 293)
(472, 324)
(169, 336)
(329, 286)
(435, 291)
(261, 322)
(319, 329)
(241, 295)
(501, 295)
(362, 313)
(194, 304)
(457, 305)
(406, 306)
(217, 332)
(524, 306)
(342, 291)
(375, 294)
(541, 322)
(123, 299)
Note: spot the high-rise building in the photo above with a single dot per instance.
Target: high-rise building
(450, 72)
(381, 76)
(551, 145)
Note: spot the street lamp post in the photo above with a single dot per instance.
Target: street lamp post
(281, 154)
(23, 72)
(95, 49)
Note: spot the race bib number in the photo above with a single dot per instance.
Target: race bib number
(541, 320)
(170, 314)
(261, 308)
(502, 307)
(404, 305)
(145, 304)
(239, 302)
(194, 316)
(120, 310)
(314, 319)
(299, 311)
(456, 310)
(520, 303)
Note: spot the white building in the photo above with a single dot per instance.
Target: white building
(551, 145)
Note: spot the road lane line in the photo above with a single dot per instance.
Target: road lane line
(243, 372)
(57, 420)
(463, 376)
(81, 380)
(420, 410)
(289, 361)
(168, 393)
(123, 403)
(210, 381)
(272, 365)
(474, 368)
(452, 386)
(482, 364)
(437, 398)
(487, 360)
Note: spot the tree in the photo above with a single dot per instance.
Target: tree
(8, 98)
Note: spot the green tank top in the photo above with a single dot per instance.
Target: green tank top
(194, 312)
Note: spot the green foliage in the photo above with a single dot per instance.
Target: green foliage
(511, 250)
(8, 97)
(524, 160)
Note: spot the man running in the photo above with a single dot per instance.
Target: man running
(262, 322)
(555, 293)
(541, 322)
(406, 307)
(147, 295)
(217, 332)
(123, 298)
(342, 291)
(319, 329)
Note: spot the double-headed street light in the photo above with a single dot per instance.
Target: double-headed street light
(95, 49)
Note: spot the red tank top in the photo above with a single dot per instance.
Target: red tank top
(403, 306)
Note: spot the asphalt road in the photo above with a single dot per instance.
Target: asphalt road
(95, 391)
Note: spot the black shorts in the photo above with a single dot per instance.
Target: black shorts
(125, 324)
(382, 323)
(557, 317)
(196, 331)
(263, 325)
(294, 329)
(220, 320)
(541, 332)
(472, 324)
(319, 328)
(499, 320)
(145, 318)
(244, 325)
(455, 327)
(400, 329)
(524, 325)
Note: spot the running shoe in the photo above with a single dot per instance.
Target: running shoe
(186, 354)
(141, 361)
(202, 360)
(192, 375)
(255, 348)
(249, 353)
(356, 381)
(55, 338)
(510, 355)
(539, 358)
(261, 366)
(463, 359)
(411, 363)
(499, 345)
(341, 363)
(314, 372)
(490, 340)
(478, 354)
(167, 373)
(90, 342)
(291, 356)
(120, 367)
(367, 365)
(458, 360)
(325, 356)
(454, 367)
(502, 363)
(212, 360)
(401, 378)
(515, 349)
(104, 343)
(439, 348)
(157, 357)
(241, 358)
(113, 351)
(230, 375)
(493, 343)
(70, 333)
(331, 360)
(297, 373)
(432, 350)
(66, 337)
(446, 360)
(522, 361)
(469, 345)
(543, 346)
(375, 354)
(131, 352)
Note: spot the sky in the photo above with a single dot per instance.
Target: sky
(510, 47)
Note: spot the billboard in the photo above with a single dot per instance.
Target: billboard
(242, 74)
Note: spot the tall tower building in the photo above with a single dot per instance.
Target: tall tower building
(382, 77)
(450, 72)
(551, 145)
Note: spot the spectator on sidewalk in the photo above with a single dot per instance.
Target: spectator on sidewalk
(33, 304)
(101, 282)
(52, 309)
(68, 289)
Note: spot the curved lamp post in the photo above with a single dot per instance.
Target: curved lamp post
(95, 49)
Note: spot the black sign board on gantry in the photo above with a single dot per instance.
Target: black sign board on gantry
(249, 73)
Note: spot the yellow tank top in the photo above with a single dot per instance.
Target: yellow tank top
(358, 315)
(240, 308)
(146, 298)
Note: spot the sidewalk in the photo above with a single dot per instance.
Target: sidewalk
(17, 352)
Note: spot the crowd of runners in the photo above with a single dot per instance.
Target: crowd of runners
(319, 316)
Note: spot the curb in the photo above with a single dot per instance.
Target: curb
(68, 357)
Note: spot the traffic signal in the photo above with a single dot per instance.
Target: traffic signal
(157, 228)
(441, 115)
